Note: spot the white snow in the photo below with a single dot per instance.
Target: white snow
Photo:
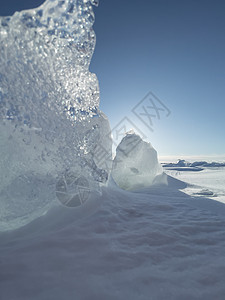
(210, 180)
(155, 243)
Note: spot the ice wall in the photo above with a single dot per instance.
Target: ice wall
(50, 123)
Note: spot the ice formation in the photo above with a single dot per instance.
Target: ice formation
(50, 123)
(136, 164)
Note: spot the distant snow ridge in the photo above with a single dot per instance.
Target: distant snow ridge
(50, 122)
(136, 164)
(197, 164)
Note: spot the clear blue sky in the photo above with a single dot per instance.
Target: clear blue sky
(176, 49)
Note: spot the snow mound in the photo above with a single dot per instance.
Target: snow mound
(50, 123)
(136, 164)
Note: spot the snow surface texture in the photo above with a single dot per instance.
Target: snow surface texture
(50, 123)
(136, 164)
(153, 244)
(208, 182)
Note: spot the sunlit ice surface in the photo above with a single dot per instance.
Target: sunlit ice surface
(50, 122)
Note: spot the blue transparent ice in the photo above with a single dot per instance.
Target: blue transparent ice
(50, 122)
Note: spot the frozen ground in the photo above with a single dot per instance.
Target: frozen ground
(209, 181)
(155, 243)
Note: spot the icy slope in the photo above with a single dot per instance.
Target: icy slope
(156, 243)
